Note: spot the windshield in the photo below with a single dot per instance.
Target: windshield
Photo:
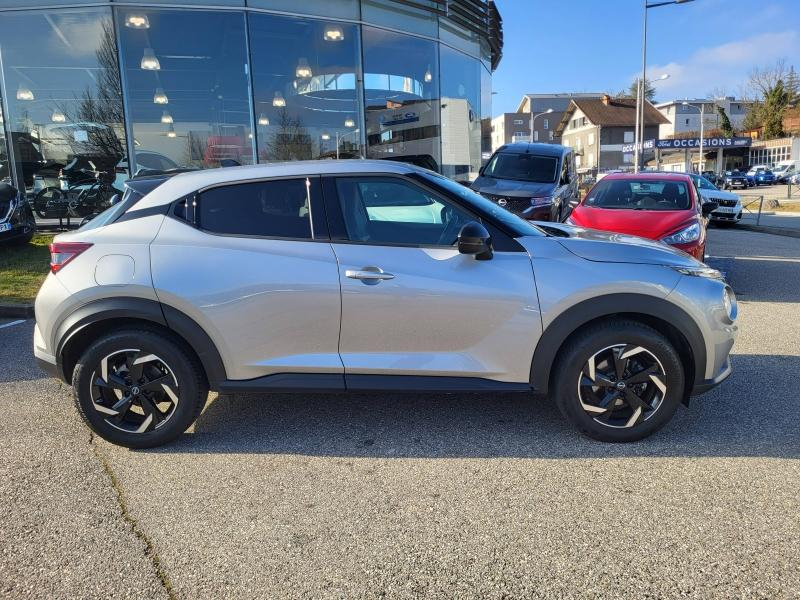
(522, 167)
(704, 184)
(517, 225)
(639, 194)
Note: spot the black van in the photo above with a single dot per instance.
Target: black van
(535, 181)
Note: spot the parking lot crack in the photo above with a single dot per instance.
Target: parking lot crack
(133, 524)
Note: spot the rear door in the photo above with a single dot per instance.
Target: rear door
(411, 303)
(252, 264)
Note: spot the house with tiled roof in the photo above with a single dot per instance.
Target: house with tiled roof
(601, 131)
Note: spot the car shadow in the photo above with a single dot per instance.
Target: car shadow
(767, 278)
(754, 413)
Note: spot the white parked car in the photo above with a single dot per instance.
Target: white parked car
(730, 205)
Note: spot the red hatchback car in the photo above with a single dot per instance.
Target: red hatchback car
(658, 206)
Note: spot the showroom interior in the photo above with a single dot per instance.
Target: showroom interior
(121, 88)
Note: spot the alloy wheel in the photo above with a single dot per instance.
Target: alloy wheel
(622, 385)
(135, 392)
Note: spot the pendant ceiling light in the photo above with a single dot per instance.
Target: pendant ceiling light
(428, 75)
(166, 118)
(160, 97)
(333, 33)
(58, 117)
(326, 135)
(149, 61)
(263, 119)
(349, 122)
(171, 132)
(137, 22)
(303, 71)
(278, 100)
(24, 93)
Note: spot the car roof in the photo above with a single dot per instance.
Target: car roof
(186, 183)
(533, 148)
(668, 175)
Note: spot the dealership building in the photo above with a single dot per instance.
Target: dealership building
(209, 83)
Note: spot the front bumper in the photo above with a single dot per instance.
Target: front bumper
(701, 387)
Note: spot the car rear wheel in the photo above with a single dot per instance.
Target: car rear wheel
(138, 389)
(618, 381)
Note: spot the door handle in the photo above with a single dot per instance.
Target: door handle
(369, 275)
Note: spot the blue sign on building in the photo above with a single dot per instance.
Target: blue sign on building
(710, 142)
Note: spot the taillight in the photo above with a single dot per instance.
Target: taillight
(63, 252)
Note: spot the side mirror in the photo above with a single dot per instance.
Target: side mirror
(474, 239)
(481, 170)
(114, 199)
(709, 207)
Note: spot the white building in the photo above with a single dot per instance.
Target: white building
(684, 119)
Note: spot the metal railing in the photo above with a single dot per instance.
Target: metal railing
(747, 211)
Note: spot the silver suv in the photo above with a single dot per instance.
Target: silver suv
(367, 276)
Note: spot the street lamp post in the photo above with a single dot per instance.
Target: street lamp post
(702, 110)
(533, 120)
(638, 150)
(340, 137)
(643, 78)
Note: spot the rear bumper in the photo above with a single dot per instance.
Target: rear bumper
(705, 385)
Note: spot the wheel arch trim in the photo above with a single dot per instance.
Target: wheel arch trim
(629, 305)
(140, 309)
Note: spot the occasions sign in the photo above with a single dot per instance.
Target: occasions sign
(714, 142)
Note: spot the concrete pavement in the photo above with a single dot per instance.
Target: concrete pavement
(409, 496)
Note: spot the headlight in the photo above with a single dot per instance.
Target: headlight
(729, 300)
(706, 272)
(539, 200)
(684, 236)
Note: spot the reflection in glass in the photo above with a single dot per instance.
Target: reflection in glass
(461, 128)
(195, 63)
(66, 113)
(5, 167)
(304, 88)
(401, 100)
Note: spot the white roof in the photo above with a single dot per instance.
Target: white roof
(186, 183)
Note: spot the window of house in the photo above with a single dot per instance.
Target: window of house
(591, 139)
(383, 210)
(265, 208)
(546, 123)
(518, 121)
(687, 121)
(628, 137)
(520, 133)
(552, 135)
(535, 136)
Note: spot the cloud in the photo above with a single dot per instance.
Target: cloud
(725, 66)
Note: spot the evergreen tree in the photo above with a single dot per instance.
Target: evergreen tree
(649, 90)
(775, 103)
(792, 84)
(724, 123)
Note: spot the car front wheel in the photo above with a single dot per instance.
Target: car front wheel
(618, 381)
(138, 389)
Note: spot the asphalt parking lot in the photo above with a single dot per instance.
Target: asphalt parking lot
(409, 496)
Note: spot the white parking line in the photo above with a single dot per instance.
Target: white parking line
(12, 323)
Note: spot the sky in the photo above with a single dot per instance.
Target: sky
(706, 46)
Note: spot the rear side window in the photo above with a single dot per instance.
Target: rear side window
(265, 208)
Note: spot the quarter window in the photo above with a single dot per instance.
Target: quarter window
(392, 211)
(265, 208)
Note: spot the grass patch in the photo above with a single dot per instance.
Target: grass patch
(23, 269)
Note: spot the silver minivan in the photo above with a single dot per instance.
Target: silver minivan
(367, 276)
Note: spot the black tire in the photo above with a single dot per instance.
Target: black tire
(591, 341)
(181, 371)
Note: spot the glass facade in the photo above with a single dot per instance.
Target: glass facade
(113, 90)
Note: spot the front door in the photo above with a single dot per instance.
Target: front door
(411, 303)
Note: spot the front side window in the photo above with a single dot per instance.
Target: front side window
(641, 194)
(393, 211)
(266, 208)
(522, 167)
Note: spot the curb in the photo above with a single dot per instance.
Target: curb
(784, 231)
(16, 310)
